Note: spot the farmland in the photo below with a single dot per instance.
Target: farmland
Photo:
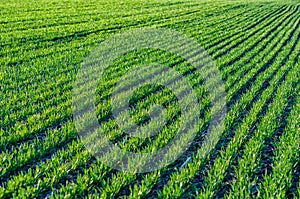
(255, 46)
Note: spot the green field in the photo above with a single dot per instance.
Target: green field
(254, 44)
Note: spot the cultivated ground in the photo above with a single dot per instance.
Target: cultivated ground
(254, 44)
